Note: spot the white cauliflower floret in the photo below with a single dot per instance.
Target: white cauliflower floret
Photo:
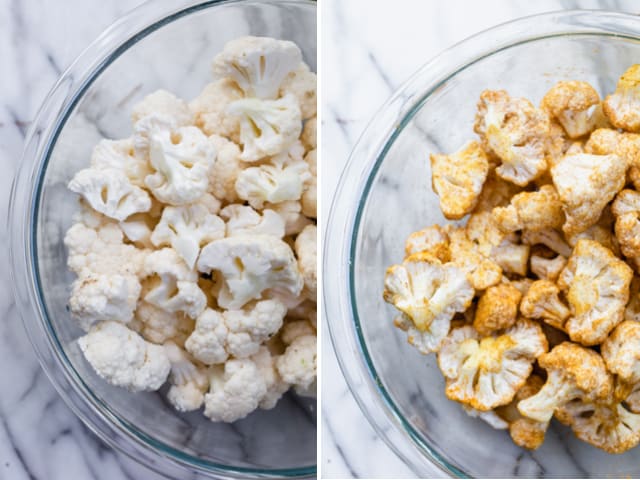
(572, 104)
(309, 199)
(236, 390)
(109, 192)
(309, 134)
(585, 184)
(244, 220)
(291, 213)
(182, 160)
(267, 127)
(189, 382)
(276, 386)
(172, 284)
(210, 109)
(487, 372)
(123, 358)
(433, 239)
(306, 251)
(250, 264)
(297, 366)
(164, 103)
(515, 131)
(596, 283)
(208, 341)
(428, 294)
(301, 83)
(621, 351)
(101, 251)
(258, 65)
(187, 228)
(98, 297)
(225, 170)
(294, 329)
(537, 210)
(158, 325)
(458, 178)
(621, 107)
(572, 372)
(121, 155)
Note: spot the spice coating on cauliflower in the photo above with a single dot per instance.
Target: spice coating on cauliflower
(621, 351)
(497, 309)
(458, 178)
(534, 211)
(433, 239)
(571, 103)
(542, 301)
(621, 107)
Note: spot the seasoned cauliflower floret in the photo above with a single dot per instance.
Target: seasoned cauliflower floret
(585, 184)
(458, 178)
(515, 131)
(210, 109)
(487, 372)
(621, 351)
(605, 141)
(596, 283)
(632, 312)
(182, 160)
(164, 103)
(542, 301)
(433, 239)
(572, 372)
(249, 265)
(481, 272)
(267, 127)
(626, 209)
(189, 382)
(123, 358)
(547, 268)
(550, 238)
(572, 104)
(187, 228)
(258, 65)
(428, 294)
(621, 107)
(535, 211)
(244, 220)
(497, 309)
(110, 192)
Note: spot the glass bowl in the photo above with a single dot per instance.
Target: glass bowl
(385, 194)
(163, 44)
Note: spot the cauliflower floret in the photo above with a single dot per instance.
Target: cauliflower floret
(210, 109)
(249, 265)
(272, 183)
(297, 366)
(497, 309)
(138, 228)
(542, 301)
(309, 199)
(225, 170)
(164, 103)
(109, 192)
(276, 386)
(207, 342)
(621, 107)
(433, 239)
(602, 232)
(98, 297)
(123, 358)
(189, 382)
(572, 372)
(258, 65)
(309, 134)
(306, 251)
(291, 213)
(182, 159)
(428, 293)
(267, 127)
(102, 251)
(490, 417)
(626, 209)
(585, 184)
(596, 283)
(301, 83)
(605, 141)
(531, 210)
(556, 145)
(158, 325)
(547, 268)
(515, 131)
(121, 155)
(458, 178)
(244, 220)
(172, 284)
(294, 329)
(549, 238)
(236, 390)
(572, 104)
(252, 325)
(632, 312)
(481, 272)
(487, 372)
(188, 228)
(621, 351)
(496, 192)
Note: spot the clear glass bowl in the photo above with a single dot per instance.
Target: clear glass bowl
(385, 194)
(163, 44)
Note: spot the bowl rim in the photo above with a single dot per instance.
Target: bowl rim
(52, 115)
(358, 175)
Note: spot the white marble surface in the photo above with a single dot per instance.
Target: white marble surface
(40, 438)
(368, 50)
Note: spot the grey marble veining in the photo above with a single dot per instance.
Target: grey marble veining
(368, 50)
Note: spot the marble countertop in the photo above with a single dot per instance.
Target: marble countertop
(368, 50)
